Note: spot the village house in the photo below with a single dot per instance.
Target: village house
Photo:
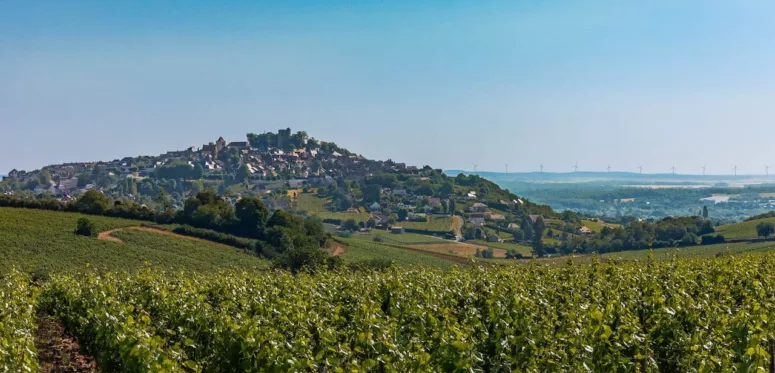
(497, 217)
(434, 201)
(513, 226)
(68, 184)
(534, 218)
(584, 231)
(375, 207)
(396, 230)
(469, 196)
(478, 207)
(399, 192)
(476, 220)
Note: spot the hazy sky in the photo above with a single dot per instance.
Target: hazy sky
(445, 83)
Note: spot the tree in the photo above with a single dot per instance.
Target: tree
(307, 259)
(371, 223)
(242, 173)
(198, 173)
(93, 202)
(163, 199)
(452, 206)
(252, 216)
(549, 233)
(527, 227)
(705, 212)
(349, 225)
(372, 193)
(402, 214)
(765, 229)
(444, 206)
(446, 189)
(85, 227)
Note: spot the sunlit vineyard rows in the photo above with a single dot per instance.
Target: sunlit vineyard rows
(17, 324)
(712, 314)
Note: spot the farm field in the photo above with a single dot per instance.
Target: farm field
(746, 229)
(44, 242)
(360, 250)
(523, 249)
(597, 226)
(367, 321)
(403, 238)
(464, 249)
(434, 224)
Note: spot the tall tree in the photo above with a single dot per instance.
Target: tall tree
(252, 216)
(705, 212)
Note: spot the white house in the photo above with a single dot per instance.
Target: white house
(375, 207)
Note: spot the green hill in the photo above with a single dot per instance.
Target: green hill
(746, 229)
(43, 241)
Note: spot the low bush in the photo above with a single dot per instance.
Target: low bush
(85, 227)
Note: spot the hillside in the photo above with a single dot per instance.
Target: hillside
(743, 230)
(44, 242)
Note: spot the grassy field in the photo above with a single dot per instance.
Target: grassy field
(43, 241)
(694, 251)
(404, 238)
(309, 202)
(358, 250)
(746, 229)
(523, 249)
(597, 226)
(441, 225)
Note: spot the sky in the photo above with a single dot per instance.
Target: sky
(444, 83)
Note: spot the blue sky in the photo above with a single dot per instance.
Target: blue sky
(445, 83)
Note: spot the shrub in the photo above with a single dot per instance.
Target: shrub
(344, 234)
(85, 227)
(378, 239)
(226, 239)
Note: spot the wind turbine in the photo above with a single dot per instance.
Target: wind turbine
(542, 168)
(640, 168)
(703, 170)
(507, 168)
(609, 168)
(767, 170)
(735, 168)
(673, 168)
(576, 167)
(475, 166)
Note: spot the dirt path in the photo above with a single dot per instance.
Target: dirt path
(335, 249)
(108, 235)
(58, 352)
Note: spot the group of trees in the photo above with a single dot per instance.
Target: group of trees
(179, 170)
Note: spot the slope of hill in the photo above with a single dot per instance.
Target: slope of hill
(44, 242)
(742, 230)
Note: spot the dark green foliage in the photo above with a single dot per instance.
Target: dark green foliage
(765, 229)
(711, 240)
(85, 227)
(307, 259)
(372, 193)
(227, 239)
(349, 225)
(377, 239)
(402, 214)
(178, 170)
(252, 216)
(93, 202)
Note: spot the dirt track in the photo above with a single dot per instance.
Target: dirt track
(108, 235)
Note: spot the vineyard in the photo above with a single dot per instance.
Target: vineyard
(703, 315)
